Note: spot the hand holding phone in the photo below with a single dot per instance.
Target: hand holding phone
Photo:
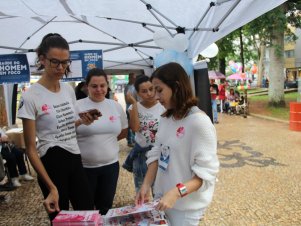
(93, 112)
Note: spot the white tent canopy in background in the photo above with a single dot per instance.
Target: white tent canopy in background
(127, 38)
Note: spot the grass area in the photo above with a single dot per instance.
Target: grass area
(259, 105)
(289, 97)
(255, 90)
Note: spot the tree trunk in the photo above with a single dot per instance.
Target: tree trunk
(260, 65)
(222, 65)
(242, 59)
(276, 70)
(3, 116)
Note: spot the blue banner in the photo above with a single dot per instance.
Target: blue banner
(14, 68)
(82, 62)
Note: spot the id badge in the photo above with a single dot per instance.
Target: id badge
(164, 157)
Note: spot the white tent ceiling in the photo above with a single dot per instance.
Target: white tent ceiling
(127, 38)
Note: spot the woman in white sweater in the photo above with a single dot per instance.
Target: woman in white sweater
(183, 162)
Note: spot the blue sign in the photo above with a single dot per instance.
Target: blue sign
(14, 68)
(82, 62)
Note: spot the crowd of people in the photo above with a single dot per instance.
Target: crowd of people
(174, 143)
(225, 99)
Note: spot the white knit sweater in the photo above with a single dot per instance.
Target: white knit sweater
(192, 145)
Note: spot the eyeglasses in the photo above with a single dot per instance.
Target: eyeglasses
(55, 63)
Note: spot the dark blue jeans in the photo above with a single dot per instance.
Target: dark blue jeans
(136, 163)
(14, 157)
(139, 170)
(103, 183)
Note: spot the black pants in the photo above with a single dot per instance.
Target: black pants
(67, 173)
(103, 182)
(14, 157)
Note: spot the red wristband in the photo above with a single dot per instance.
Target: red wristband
(182, 189)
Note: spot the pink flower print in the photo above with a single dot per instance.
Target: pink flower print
(113, 118)
(151, 123)
(180, 132)
(152, 135)
(45, 108)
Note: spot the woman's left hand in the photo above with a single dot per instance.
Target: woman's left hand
(168, 200)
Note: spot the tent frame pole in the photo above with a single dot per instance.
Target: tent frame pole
(36, 31)
(136, 22)
(13, 48)
(117, 44)
(88, 24)
(200, 21)
(216, 28)
(128, 63)
(150, 8)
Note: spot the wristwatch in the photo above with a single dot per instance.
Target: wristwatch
(182, 189)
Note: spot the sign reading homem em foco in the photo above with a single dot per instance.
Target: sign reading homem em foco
(14, 68)
(82, 62)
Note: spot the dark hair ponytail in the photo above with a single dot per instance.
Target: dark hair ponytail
(51, 40)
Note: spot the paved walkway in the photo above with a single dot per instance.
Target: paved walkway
(259, 180)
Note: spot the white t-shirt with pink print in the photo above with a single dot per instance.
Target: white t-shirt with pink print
(98, 141)
(149, 121)
(54, 116)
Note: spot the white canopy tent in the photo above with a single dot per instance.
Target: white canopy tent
(123, 29)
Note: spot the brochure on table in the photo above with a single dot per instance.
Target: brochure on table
(145, 214)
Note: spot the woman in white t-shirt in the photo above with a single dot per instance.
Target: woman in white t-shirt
(183, 162)
(47, 112)
(144, 120)
(98, 142)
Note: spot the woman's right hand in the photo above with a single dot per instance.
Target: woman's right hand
(51, 203)
(143, 195)
(3, 139)
(87, 118)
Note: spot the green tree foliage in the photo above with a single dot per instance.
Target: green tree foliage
(226, 51)
(229, 49)
(266, 31)
(269, 30)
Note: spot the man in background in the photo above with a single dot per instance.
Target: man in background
(222, 94)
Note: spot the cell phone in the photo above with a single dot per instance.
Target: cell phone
(93, 112)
